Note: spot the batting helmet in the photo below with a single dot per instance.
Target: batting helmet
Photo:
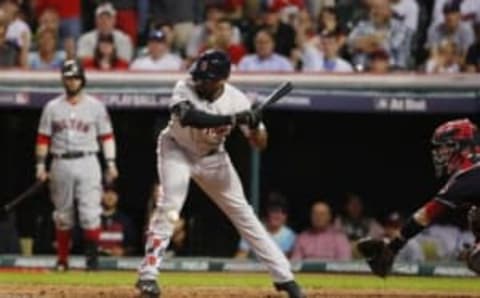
(454, 142)
(71, 68)
(211, 65)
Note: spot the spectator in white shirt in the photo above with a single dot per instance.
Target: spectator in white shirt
(265, 59)
(469, 9)
(407, 11)
(105, 25)
(445, 59)
(18, 30)
(326, 58)
(159, 56)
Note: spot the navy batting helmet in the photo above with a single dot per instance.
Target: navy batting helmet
(211, 65)
(71, 68)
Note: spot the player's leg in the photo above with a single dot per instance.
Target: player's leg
(473, 259)
(174, 171)
(61, 192)
(88, 192)
(218, 178)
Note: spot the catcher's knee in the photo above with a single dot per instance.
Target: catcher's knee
(474, 221)
(64, 220)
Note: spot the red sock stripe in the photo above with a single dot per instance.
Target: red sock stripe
(106, 137)
(63, 244)
(92, 234)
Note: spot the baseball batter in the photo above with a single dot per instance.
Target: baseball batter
(204, 110)
(70, 128)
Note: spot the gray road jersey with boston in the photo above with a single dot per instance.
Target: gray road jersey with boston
(74, 127)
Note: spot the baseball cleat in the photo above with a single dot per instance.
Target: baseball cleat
(473, 259)
(378, 255)
(148, 288)
(61, 266)
(291, 287)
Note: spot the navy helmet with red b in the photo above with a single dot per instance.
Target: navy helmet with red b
(454, 146)
(211, 65)
(72, 68)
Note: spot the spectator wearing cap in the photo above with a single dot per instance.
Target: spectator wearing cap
(380, 31)
(412, 252)
(180, 14)
(287, 9)
(325, 59)
(322, 240)
(9, 50)
(47, 57)
(265, 58)
(378, 62)
(444, 59)
(105, 56)
(473, 54)
(69, 13)
(222, 39)
(105, 25)
(407, 11)
(205, 30)
(159, 56)
(275, 223)
(451, 29)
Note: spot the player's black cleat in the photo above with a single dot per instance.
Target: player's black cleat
(378, 255)
(61, 266)
(148, 288)
(291, 287)
(473, 259)
(91, 256)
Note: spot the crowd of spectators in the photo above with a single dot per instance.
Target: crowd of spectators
(378, 36)
(333, 238)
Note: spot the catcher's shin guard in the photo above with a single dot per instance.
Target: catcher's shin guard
(473, 259)
(378, 255)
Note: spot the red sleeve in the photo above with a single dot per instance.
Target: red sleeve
(43, 139)
(121, 64)
(89, 63)
(106, 137)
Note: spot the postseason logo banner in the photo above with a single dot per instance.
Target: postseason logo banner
(302, 99)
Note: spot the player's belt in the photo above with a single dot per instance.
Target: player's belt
(73, 154)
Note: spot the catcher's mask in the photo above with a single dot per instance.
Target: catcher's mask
(454, 145)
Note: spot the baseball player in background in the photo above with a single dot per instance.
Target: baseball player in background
(204, 110)
(71, 126)
(455, 155)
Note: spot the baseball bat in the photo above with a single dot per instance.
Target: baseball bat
(276, 95)
(33, 189)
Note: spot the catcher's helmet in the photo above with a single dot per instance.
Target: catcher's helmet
(454, 142)
(71, 68)
(211, 65)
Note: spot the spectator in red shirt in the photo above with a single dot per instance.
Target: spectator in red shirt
(322, 241)
(69, 12)
(105, 56)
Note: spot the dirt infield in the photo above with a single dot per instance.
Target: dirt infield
(43, 291)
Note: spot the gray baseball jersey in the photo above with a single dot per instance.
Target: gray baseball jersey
(74, 128)
(186, 152)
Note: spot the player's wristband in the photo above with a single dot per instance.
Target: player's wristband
(41, 166)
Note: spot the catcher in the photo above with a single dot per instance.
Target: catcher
(455, 155)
